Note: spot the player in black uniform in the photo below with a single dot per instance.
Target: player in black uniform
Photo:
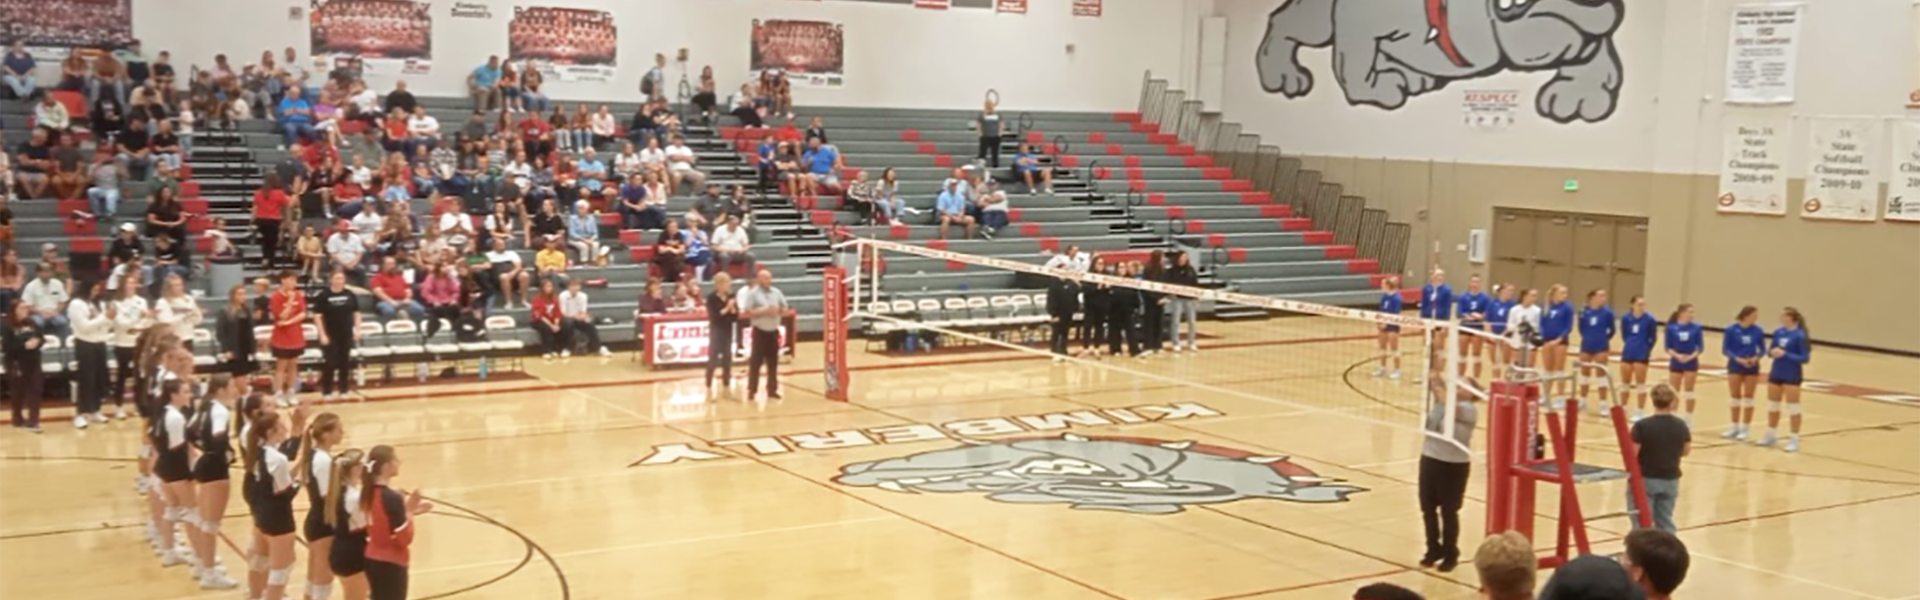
(269, 443)
(315, 468)
(211, 430)
(173, 464)
(349, 556)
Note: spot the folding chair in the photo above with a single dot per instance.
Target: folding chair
(504, 334)
(366, 352)
(203, 340)
(444, 350)
(879, 329)
(404, 341)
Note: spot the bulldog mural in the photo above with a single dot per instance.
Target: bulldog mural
(1386, 51)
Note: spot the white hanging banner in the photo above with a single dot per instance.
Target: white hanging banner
(1913, 94)
(1842, 170)
(1762, 52)
(1753, 178)
(1903, 177)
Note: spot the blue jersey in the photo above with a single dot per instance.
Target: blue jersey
(1596, 330)
(1797, 352)
(1391, 303)
(1743, 341)
(1497, 312)
(1436, 302)
(1557, 322)
(1637, 337)
(1684, 338)
(1472, 303)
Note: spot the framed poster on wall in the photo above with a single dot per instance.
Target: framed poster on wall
(388, 36)
(1018, 7)
(1762, 53)
(51, 32)
(811, 53)
(1086, 8)
(567, 44)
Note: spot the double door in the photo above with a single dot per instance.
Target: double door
(1537, 249)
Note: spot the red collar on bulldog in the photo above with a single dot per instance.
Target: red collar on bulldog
(1439, 33)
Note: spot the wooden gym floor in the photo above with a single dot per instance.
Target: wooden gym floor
(599, 479)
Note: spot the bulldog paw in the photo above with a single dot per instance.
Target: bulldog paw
(1565, 100)
(1284, 75)
(1386, 89)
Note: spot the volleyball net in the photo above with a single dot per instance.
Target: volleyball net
(1324, 367)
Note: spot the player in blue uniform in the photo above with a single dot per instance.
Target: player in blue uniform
(1436, 298)
(1556, 328)
(1742, 345)
(1472, 308)
(1596, 345)
(1638, 334)
(1683, 355)
(1498, 310)
(1790, 349)
(1390, 303)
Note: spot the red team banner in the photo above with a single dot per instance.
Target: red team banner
(1086, 8)
(1018, 7)
(933, 4)
(833, 331)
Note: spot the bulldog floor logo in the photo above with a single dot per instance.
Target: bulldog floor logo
(1386, 51)
(1140, 475)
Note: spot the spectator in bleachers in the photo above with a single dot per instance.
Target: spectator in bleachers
(627, 165)
(685, 298)
(395, 137)
(363, 106)
(73, 73)
(583, 233)
(103, 197)
(269, 209)
(562, 130)
(166, 145)
(550, 263)
(788, 170)
(1026, 166)
(483, 85)
(731, 245)
(346, 250)
(653, 301)
(109, 77)
(510, 90)
(507, 268)
(642, 126)
(502, 223)
(47, 296)
(537, 134)
(993, 210)
(51, 114)
(126, 244)
(69, 173)
(16, 71)
(778, 91)
(108, 118)
(162, 77)
(670, 251)
(6, 179)
(744, 108)
(311, 252)
(579, 320)
(952, 209)
(637, 210)
(36, 165)
(604, 126)
(13, 277)
(580, 127)
(591, 173)
(990, 127)
(535, 100)
(823, 166)
(423, 131)
(708, 211)
(549, 321)
(145, 105)
(473, 131)
(400, 99)
(704, 96)
(135, 149)
(393, 294)
(165, 215)
(680, 166)
(654, 160)
(171, 258)
(817, 130)
(440, 292)
(296, 118)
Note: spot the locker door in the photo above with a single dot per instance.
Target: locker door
(1553, 242)
(1511, 250)
(1593, 243)
(1629, 262)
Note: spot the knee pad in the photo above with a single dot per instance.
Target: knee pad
(1773, 406)
(1604, 386)
(319, 591)
(1793, 408)
(209, 526)
(279, 577)
(190, 518)
(1688, 396)
(258, 563)
(175, 514)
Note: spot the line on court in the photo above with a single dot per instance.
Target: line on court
(663, 543)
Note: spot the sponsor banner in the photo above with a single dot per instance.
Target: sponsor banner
(1842, 178)
(687, 341)
(389, 36)
(933, 4)
(1018, 7)
(51, 32)
(1903, 184)
(1086, 8)
(811, 53)
(471, 10)
(1490, 109)
(1752, 180)
(1763, 53)
(564, 44)
(834, 331)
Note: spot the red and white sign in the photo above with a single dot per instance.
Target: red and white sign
(933, 4)
(1086, 8)
(1018, 7)
(834, 332)
(685, 341)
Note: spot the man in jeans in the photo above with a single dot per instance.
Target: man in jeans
(731, 244)
(484, 85)
(766, 307)
(1660, 441)
(392, 293)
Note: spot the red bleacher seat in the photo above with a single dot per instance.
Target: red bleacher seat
(87, 244)
(196, 206)
(189, 188)
(75, 101)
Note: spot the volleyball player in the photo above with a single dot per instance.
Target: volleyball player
(389, 524)
(314, 467)
(1596, 344)
(210, 430)
(1790, 349)
(289, 340)
(1436, 297)
(149, 374)
(1094, 299)
(1638, 334)
(1498, 311)
(1523, 323)
(1472, 308)
(1742, 344)
(173, 467)
(1123, 306)
(1390, 303)
(1556, 329)
(251, 409)
(348, 558)
(268, 443)
(1683, 357)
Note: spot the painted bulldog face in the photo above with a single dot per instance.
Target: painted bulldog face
(1112, 473)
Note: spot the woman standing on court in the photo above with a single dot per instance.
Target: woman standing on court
(314, 467)
(1122, 304)
(1153, 305)
(1556, 329)
(723, 321)
(1523, 324)
(1683, 356)
(1790, 349)
(1638, 335)
(389, 524)
(22, 340)
(92, 322)
(288, 309)
(1498, 311)
(1742, 344)
(233, 332)
(1185, 310)
(131, 317)
(1390, 303)
(1472, 309)
(348, 558)
(1445, 465)
(1596, 345)
(211, 432)
(1095, 298)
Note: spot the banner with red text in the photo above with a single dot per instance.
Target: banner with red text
(1086, 8)
(933, 4)
(388, 36)
(1018, 7)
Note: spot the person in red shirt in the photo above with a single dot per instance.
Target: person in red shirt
(390, 524)
(398, 139)
(288, 309)
(547, 320)
(269, 207)
(536, 134)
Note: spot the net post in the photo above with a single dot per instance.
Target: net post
(833, 330)
(1514, 410)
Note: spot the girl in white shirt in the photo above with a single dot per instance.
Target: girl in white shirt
(628, 163)
(92, 324)
(654, 159)
(177, 310)
(1527, 312)
(131, 316)
(604, 126)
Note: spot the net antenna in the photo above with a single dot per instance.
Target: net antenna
(883, 274)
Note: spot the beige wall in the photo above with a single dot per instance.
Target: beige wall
(1857, 283)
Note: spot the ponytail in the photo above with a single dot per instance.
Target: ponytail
(257, 437)
(202, 424)
(324, 424)
(248, 410)
(377, 460)
(1677, 311)
(343, 466)
(1800, 320)
(1745, 312)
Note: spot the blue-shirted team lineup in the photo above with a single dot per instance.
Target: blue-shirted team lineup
(1549, 328)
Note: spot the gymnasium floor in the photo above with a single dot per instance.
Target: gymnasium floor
(598, 479)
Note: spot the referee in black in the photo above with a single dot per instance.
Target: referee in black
(765, 307)
(1063, 300)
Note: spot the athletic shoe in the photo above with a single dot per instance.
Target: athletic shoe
(1732, 433)
(33, 428)
(213, 579)
(774, 396)
(1688, 419)
(566, 354)
(605, 352)
(1793, 445)
(120, 413)
(1636, 417)
(97, 417)
(172, 559)
(1766, 441)
(1741, 436)
(79, 421)
(1380, 373)
(1394, 376)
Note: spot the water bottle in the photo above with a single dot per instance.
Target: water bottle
(420, 371)
(360, 377)
(483, 368)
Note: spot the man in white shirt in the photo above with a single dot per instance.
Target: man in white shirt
(346, 249)
(423, 128)
(653, 158)
(993, 210)
(680, 161)
(457, 229)
(627, 164)
(1071, 260)
(47, 295)
(731, 244)
(573, 311)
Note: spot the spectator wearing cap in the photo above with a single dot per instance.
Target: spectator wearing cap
(1591, 577)
(1657, 561)
(1506, 567)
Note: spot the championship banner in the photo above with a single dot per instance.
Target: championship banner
(52, 32)
(1762, 52)
(1018, 7)
(834, 331)
(810, 52)
(1752, 178)
(1913, 93)
(1903, 184)
(1086, 8)
(933, 4)
(1841, 180)
(389, 36)
(564, 44)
